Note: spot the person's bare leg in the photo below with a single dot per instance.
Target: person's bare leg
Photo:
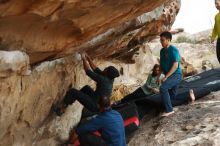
(192, 96)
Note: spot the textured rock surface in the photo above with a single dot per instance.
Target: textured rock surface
(191, 125)
(13, 62)
(49, 29)
(26, 100)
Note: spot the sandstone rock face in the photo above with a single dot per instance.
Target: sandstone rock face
(25, 104)
(26, 101)
(13, 62)
(50, 29)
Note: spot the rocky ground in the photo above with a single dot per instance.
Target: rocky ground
(191, 125)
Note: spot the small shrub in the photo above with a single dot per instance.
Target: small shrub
(184, 39)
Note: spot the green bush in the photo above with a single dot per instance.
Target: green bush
(184, 39)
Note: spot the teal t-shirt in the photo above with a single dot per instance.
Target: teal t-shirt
(167, 57)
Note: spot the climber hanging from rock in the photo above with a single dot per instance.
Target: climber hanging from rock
(87, 96)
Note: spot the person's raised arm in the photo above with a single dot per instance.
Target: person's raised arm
(94, 76)
(85, 63)
(91, 63)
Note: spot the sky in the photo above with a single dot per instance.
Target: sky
(195, 15)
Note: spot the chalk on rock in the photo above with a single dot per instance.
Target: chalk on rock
(14, 62)
(77, 56)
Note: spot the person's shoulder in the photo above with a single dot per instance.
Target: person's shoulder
(217, 16)
(111, 114)
(99, 73)
(98, 70)
(173, 47)
(107, 80)
(114, 112)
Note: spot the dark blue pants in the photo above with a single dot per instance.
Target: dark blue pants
(168, 90)
(138, 93)
(86, 96)
(218, 49)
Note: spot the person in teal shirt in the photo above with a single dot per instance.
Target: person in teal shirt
(216, 30)
(151, 86)
(170, 65)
